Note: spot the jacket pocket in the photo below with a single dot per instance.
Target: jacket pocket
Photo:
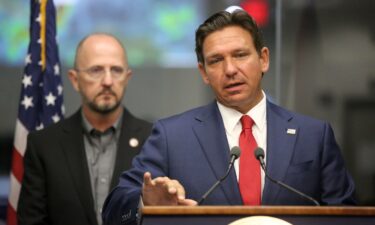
(300, 167)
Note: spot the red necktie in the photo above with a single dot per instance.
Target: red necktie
(249, 167)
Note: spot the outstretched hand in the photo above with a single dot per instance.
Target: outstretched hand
(163, 191)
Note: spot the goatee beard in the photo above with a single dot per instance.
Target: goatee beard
(103, 109)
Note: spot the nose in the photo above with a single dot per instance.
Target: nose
(107, 78)
(230, 67)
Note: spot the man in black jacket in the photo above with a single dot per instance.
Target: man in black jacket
(71, 166)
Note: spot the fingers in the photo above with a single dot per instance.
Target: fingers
(173, 186)
(147, 181)
(164, 191)
(187, 202)
(163, 188)
(180, 190)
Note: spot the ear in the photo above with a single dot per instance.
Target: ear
(129, 74)
(265, 59)
(73, 77)
(203, 73)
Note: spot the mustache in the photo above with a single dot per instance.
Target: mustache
(106, 91)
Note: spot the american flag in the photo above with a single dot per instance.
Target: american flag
(41, 100)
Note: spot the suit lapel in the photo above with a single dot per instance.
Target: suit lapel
(280, 147)
(73, 147)
(125, 152)
(210, 133)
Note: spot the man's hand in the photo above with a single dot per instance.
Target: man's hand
(163, 191)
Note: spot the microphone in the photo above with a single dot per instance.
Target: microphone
(235, 153)
(259, 155)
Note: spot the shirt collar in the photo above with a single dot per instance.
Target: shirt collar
(231, 116)
(88, 128)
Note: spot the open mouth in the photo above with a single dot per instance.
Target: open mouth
(234, 86)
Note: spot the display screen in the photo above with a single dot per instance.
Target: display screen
(155, 33)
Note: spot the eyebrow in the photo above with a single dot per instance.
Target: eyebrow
(214, 55)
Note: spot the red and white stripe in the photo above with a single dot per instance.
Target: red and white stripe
(20, 139)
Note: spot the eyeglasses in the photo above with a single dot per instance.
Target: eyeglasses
(98, 72)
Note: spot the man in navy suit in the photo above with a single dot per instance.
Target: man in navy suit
(187, 153)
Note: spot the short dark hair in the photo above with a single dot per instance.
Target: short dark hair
(224, 19)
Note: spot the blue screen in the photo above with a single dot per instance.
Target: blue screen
(155, 33)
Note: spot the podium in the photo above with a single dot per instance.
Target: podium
(223, 215)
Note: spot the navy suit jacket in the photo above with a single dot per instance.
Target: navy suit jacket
(192, 148)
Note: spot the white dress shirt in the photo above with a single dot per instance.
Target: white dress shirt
(233, 128)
